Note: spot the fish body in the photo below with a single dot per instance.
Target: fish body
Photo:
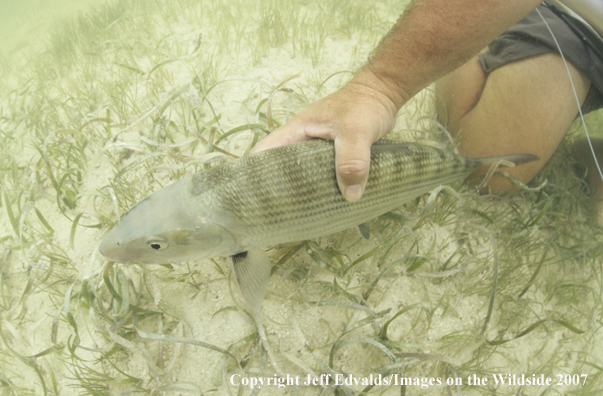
(281, 195)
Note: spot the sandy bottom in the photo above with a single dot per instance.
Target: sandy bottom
(411, 302)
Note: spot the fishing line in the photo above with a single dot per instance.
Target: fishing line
(590, 144)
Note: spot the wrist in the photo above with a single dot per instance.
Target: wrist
(368, 84)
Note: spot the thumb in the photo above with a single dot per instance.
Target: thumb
(352, 163)
(289, 133)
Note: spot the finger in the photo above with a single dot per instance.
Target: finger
(291, 132)
(352, 163)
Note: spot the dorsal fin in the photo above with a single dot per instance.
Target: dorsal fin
(516, 159)
(385, 145)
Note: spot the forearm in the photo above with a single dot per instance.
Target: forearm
(434, 37)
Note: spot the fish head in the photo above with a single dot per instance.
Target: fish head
(165, 228)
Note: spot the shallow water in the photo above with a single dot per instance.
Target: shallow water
(25, 24)
(129, 103)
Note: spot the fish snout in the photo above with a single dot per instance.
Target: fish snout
(110, 249)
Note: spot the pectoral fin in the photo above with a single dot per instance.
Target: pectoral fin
(365, 230)
(252, 270)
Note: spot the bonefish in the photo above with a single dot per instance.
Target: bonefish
(276, 196)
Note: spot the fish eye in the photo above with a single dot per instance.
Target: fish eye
(156, 243)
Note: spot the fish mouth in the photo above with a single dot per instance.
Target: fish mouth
(108, 252)
(115, 252)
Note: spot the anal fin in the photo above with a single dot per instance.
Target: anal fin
(252, 271)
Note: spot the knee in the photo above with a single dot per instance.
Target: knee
(498, 184)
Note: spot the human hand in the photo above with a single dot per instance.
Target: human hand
(354, 117)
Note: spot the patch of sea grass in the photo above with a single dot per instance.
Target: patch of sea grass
(335, 305)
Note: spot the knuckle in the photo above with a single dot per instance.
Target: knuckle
(353, 168)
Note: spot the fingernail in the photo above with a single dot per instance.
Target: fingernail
(353, 193)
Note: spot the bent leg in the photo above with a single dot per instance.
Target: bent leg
(458, 92)
(523, 107)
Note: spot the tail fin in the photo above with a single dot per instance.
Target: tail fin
(516, 159)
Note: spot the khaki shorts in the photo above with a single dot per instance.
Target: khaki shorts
(531, 37)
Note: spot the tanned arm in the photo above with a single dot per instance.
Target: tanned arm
(431, 39)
